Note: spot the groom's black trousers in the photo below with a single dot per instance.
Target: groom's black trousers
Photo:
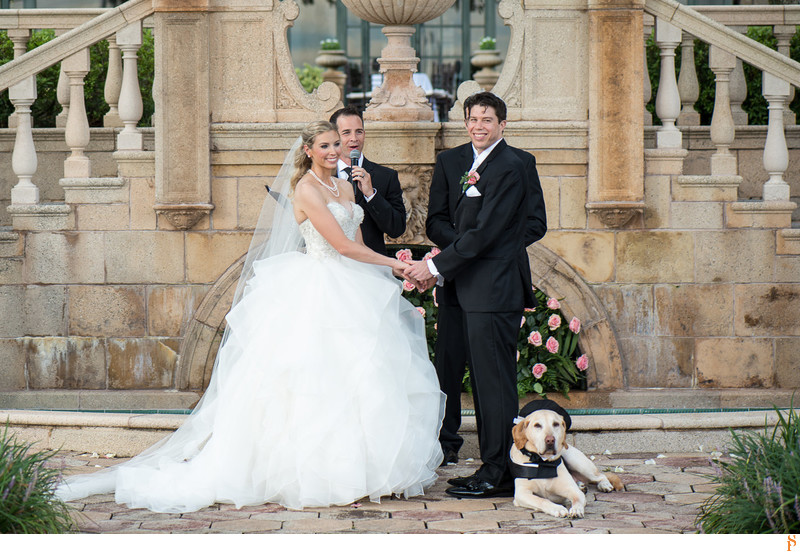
(489, 342)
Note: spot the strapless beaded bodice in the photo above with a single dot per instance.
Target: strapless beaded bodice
(316, 245)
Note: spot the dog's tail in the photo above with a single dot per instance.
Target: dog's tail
(615, 481)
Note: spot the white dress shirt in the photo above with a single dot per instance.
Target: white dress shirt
(341, 173)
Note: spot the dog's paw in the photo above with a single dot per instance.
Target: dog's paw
(558, 511)
(576, 512)
(605, 485)
(582, 486)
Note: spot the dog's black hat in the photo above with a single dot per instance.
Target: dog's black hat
(545, 404)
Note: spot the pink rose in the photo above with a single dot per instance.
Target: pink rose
(553, 304)
(433, 293)
(421, 311)
(432, 253)
(473, 178)
(522, 322)
(575, 325)
(582, 363)
(552, 345)
(407, 286)
(535, 339)
(538, 370)
(530, 310)
(554, 321)
(404, 255)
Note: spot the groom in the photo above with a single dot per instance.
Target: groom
(480, 223)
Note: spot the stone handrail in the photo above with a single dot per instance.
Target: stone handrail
(73, 41)
(750, 15)
(48, 19)
(717, 34)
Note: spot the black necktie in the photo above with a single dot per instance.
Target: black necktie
(348, 170)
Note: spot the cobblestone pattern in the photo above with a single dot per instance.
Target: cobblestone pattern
(662, 495)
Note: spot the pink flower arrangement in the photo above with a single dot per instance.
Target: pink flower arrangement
(582, 363)
(407, 286)
(404, 255)
(470, 178)
(554, 321)
(535, 339)
(432, 253)
(421, 311)
(538, 370)
(575, 325)
(553, 304)
(552, 345)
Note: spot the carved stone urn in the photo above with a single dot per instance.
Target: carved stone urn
(332, 60)
(486, 60)
(398, 98)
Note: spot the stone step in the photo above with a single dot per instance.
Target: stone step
(11, 245)
(42, 217)
(94, 190)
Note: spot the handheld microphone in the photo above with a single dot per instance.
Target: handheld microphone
(355, 155)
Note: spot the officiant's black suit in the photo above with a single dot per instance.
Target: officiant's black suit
(385, 213)
(487, 282)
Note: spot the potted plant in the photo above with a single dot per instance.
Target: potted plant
(331, 56)
(486, 57)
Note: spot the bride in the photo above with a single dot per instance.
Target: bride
(322, 392)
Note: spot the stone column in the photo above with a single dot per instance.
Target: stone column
(647, 91)
(130, 95)
(722, 63)
(688, 87)
(76, 133)
(738, 87)
(616, 123)
(784, 34)
(62, 92)
(24, 161)
(181, 93)
(776, 154)
(18, 37)
(668, 99)
(113, 85)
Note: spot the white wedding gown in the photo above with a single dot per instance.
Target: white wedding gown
(324, 395)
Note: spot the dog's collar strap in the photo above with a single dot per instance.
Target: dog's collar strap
(537, 469)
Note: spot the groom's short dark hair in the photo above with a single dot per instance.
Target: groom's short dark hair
(486, 99)
(348, 110)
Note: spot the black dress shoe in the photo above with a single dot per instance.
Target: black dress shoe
(461, 481)
(450, 457)
(481, 489)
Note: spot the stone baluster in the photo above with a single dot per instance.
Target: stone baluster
(776, 154)
(76, 133)
(19, 38)
(687, 84)
(784, 34)
(62, 93)
(23, 160)
(647, 91)
(113, 85)
(738, 88)
(722, 63)
(130, 97)
(668, 100)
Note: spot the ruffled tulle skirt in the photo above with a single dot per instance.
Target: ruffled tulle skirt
(323, 394)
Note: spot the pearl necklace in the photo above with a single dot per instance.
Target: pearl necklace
(332, 189)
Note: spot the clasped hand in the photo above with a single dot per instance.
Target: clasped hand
(417, 273)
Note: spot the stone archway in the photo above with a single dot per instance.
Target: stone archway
(550, 273)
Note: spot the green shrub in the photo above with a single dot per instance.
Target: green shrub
(758, 488)
(27, 504)
(310, 76)
(330, 44)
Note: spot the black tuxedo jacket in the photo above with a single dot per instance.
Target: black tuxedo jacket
(385, 213)
(483, 239)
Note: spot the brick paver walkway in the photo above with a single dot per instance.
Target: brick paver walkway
(662, 495)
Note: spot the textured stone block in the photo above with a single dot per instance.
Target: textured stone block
(787, 363)
(12, 364)
(64, 258)
(706, 188)
(224, 197)
(107, 311)
(45, 310)
(694, 310)
(759, 214)
(66, 363)
(653, 256)
(787, 269)
(10, 271)
(102, 217)
(572, 205)
(143, 197)
(590, 253)
(734, 256)
(664, 161)
(658, 361)
(143, 363)
(552, 200)
(788, 241)
(251, 196)
(768, 309)
(170, 308)
(734, 362)
(144, 257)
(657, 201)
(12, 301)
(696, 214)
(209, 255)
(630, 308)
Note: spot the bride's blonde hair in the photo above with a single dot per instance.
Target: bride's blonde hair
(302, 162)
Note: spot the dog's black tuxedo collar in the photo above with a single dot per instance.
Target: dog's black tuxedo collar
(537, 469)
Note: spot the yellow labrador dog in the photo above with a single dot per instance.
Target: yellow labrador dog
(546, 469)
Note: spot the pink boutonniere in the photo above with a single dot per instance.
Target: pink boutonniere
(470, 178)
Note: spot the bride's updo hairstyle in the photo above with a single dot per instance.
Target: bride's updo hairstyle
(302, 162)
